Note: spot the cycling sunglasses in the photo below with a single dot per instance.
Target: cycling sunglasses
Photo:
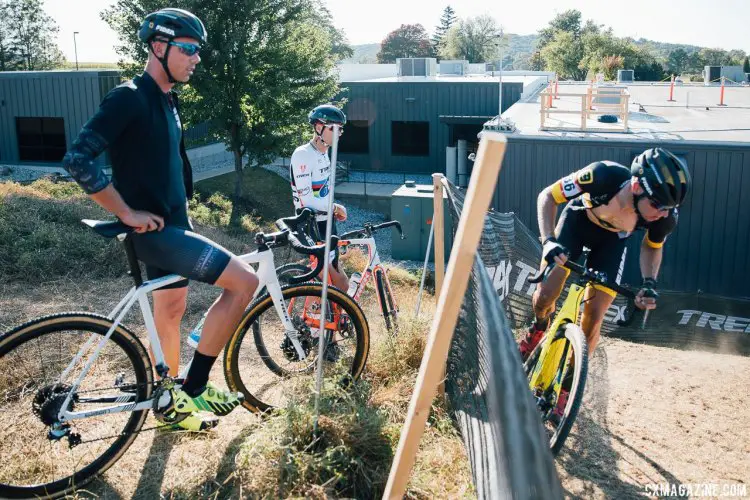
(658, 206)
(189, 49)
(330, 127)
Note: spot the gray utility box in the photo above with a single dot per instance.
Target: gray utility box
(412, 205)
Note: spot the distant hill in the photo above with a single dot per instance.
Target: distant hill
(364, 54)
(521, 48)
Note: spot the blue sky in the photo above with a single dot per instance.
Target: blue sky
(719, 23)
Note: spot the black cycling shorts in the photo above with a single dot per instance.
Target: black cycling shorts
(607, 248)
(175, 250)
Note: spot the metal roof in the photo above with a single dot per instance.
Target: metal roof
(693, 116)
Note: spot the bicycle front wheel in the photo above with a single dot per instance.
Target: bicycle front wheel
(40, 456)
(261, 362)
(559, 422)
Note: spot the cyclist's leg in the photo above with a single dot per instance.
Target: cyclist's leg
(196, 257)
(169, 308)
(608, 252)
(338, 276)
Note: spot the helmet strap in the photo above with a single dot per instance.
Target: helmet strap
(319, 135)
(636, 198)
(163, 61)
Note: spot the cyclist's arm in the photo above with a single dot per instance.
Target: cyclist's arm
(546, 211)
(303, 183)
(115, 113)
(652, 246)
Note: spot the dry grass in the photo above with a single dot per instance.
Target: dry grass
(245, 456)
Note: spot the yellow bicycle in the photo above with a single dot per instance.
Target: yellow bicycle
(562, 354)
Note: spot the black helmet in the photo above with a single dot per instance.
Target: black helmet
(172, 23)
(664, 178)
(325, 114)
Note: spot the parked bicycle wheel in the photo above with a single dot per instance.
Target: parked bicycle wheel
(386, 301)
(39, 456)
(558, 427)
(265, 366)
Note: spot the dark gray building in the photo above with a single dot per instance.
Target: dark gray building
(41, 112)
(708, 251)
(404, 124)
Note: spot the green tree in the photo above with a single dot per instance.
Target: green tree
(715, 57)
(446, 22)
(266, 64)
(677, 61)
(475, 39)
(410, 40)
(696, 62)
(8, 57)
(31, 36)
(563, 55)
(746, 65)
(536, 62)
(736, 57)
(568, 21)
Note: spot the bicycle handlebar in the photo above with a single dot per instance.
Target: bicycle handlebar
(595, 277)
(369, 229)
(295, 225)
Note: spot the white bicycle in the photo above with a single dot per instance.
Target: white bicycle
(76, 387)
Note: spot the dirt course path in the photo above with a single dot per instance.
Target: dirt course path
(655, 415)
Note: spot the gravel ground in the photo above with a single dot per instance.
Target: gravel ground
(26, 174)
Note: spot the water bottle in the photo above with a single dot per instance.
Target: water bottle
(195, 335)
(353, 284)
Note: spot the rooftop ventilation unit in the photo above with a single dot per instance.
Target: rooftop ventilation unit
(417, 66)
(625, 75)
(454, 67)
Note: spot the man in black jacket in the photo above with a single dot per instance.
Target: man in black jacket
(139, 123)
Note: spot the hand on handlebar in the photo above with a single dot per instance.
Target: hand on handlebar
(554, 252)
(339, 212)
(646, 297)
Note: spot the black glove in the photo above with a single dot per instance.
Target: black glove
(649, 288)
(551, 249)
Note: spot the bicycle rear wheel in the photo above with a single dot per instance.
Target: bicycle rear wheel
(260, 361)
(34, 460)
(570, 337)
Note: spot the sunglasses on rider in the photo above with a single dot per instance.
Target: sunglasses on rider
(330, 127)
(658, 206)
(189, 49)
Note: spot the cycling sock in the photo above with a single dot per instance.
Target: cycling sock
(197, 376)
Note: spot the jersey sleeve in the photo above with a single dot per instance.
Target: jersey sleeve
(302, 183)
(597, 179)
(115, 113)
(657, 231)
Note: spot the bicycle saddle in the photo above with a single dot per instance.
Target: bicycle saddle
(108, 229)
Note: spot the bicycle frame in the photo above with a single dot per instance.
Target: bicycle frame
(373, 262)
(551, 354)
(266, 272)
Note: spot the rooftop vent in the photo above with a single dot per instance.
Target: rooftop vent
(454, 67)
(625, 75)
(417, 66)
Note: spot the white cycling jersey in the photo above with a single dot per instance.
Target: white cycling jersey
(309, 173)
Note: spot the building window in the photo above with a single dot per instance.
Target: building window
(356, 137)
(410, 138)
(40, 139)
